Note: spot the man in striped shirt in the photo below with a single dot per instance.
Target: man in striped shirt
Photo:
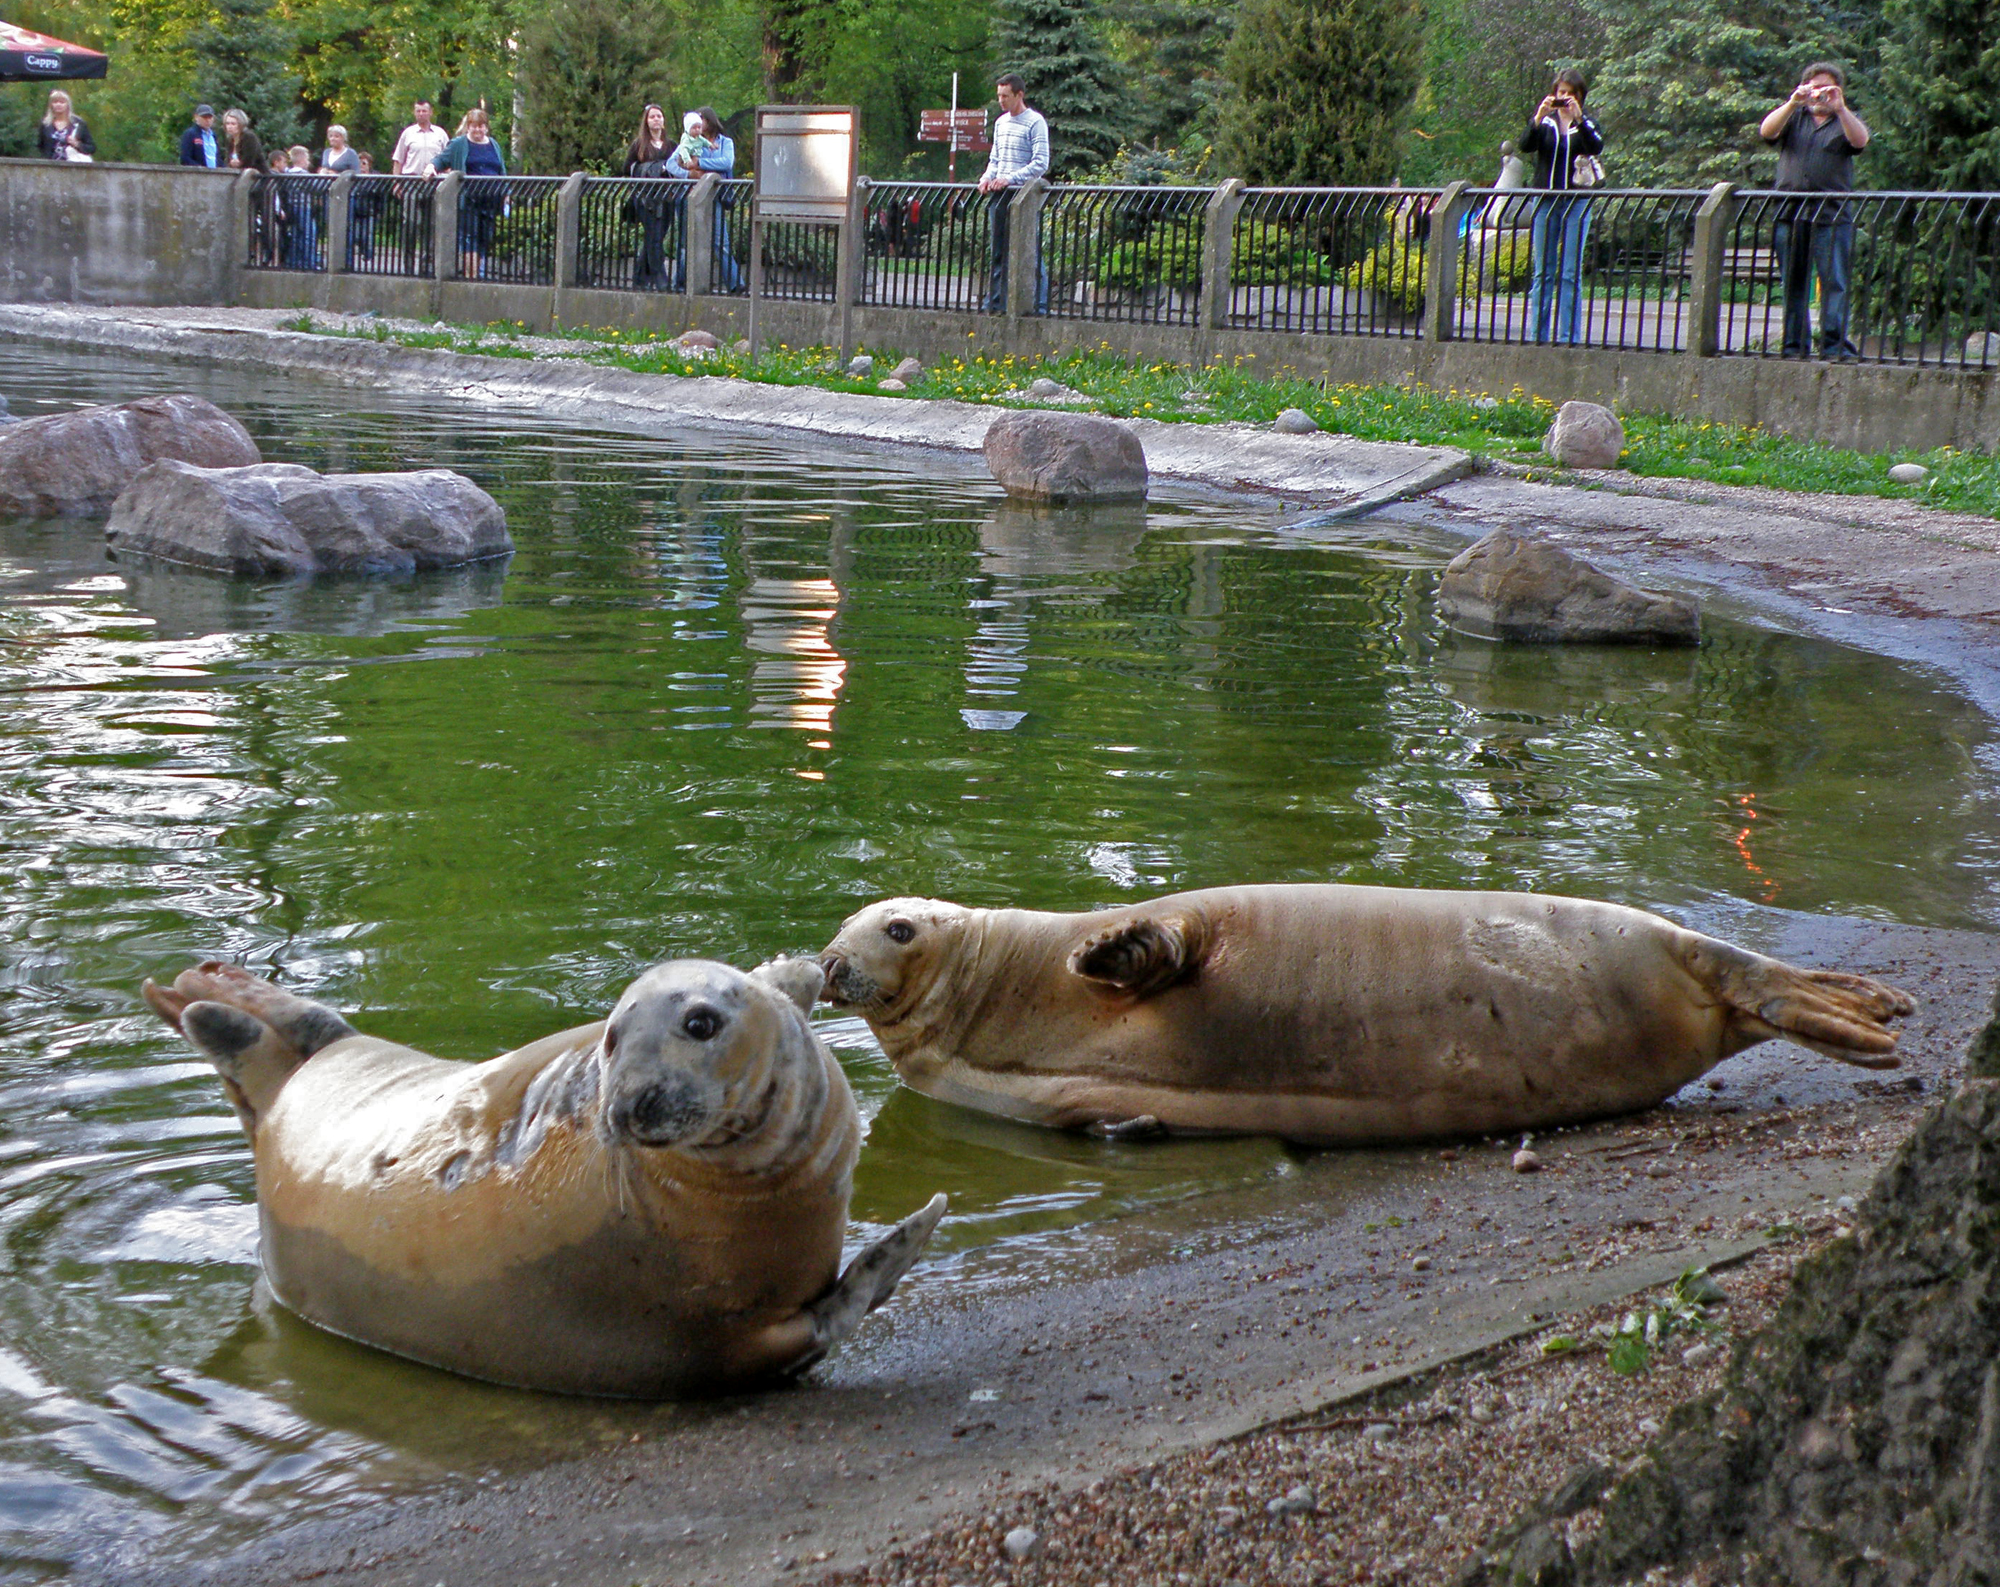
(1020, 155)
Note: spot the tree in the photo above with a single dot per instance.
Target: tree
(1175, 47)
(243, 60)
(587, 70)
(1940, 103)
(1323, 90)
(1685, 82)
(1058, 47)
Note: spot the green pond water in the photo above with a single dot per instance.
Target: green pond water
(726, 692)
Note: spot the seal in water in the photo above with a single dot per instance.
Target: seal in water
(649, 1206)
(1329, 1015)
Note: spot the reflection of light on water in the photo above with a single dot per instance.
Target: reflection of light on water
(799, 683)
(1746, 805)
(991, 721)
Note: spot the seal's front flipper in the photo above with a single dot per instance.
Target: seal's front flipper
(871, 1278)
(1836, 1014)
(1141, 956)
(1142, 1128)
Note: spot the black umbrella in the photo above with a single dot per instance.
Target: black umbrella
(30, 57)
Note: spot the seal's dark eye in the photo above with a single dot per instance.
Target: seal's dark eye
(700, 1023)
(899, 931)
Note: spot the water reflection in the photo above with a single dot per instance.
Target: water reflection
(469, 812)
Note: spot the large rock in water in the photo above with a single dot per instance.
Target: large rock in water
(1065, 457)
(73, 465)
(1510, 587)
(278, 520)
(1856, 1439)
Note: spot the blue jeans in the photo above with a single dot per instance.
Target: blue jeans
(1811, 247)
(1555, 289)
(1001, 215)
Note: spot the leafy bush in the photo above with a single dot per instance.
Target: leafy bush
(1506, 258)
(1169, 257)
(1393, 271)
(1270, 253)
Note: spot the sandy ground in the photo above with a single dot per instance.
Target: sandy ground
(1133, 1396)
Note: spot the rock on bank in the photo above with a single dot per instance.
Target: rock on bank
(281, 521)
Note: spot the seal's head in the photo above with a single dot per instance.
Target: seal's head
(883, 958)
(700, 1057)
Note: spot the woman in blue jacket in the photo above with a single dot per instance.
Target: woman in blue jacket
(1559, 136)
(475, 153)
(717, 153)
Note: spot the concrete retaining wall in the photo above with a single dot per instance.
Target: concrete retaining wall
(160, 235)
(154, 234)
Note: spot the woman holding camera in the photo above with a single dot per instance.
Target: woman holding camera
(1565, 144)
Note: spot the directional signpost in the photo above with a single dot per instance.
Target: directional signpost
(962, 129)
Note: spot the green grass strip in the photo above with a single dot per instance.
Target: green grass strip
(1507, 427)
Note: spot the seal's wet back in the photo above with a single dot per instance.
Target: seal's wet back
(1327, 1014)
(651, 1206)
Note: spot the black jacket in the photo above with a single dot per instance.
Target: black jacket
(79, 138)
(191, 147)
(1556, 152)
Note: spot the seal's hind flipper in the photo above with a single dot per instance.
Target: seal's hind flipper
(300, 1021)
(1839, 1015)
(1141, 956)
(253, 1059)
(871, 1278)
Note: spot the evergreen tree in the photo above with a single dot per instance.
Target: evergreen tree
(1175, 47)
(1058, 47)
(243, 60)
(1939, 117)
(1685, 82)
(1323, 90)
(587, 70)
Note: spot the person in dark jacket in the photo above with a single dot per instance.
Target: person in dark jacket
(242, 149)
(62, 134)
(1818, 137)
(660, 210)
(1559, 136)
(201, 144)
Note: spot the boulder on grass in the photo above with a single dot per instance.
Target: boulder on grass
(1585, 435)
(73, 465)
(1066, 457)
(281, 521)
(1510, 587)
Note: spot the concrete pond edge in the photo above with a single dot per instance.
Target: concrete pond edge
(1322, 469)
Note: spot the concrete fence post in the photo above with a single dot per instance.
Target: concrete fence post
(1441, 260)
(236, 251)
(444, 226)
(1218, 253)
(1706, 282)
(569, 231)
(1024, 247)
(698, 234)
(339, 218)
(849, 257)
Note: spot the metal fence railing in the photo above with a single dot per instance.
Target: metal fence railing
(1895, 278)
(389, 229)
(1339, 261)
(729, 236)
(631, 233)
(507, 229)
(1592, 268)
(800, 259)
(1121, 253)
(287, 221)
(929, 245)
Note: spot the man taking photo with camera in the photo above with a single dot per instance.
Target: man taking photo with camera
(1817, 138)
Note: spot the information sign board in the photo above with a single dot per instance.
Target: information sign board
(805, 161)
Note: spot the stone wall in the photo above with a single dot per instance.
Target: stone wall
(110, 233)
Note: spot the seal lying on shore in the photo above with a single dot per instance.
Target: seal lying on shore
(649, 1206)
(1330, 1015)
